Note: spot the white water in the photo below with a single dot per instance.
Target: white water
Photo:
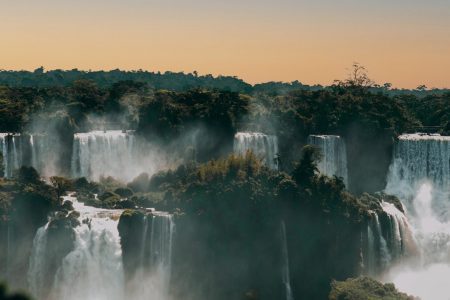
(386, 248)
(263, 146)
(385, 255)
(38, 267)
(33, 151)
(113, 153)
(152, 282)
(10, 149)
(402, 242)
(285, 274)
(4, 148)
(334, 155)
(45, 154)
(93, 270)
(420, 176)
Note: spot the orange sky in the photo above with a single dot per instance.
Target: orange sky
(406, 43)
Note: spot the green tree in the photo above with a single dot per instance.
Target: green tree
(306, 169)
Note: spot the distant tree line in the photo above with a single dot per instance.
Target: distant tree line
(76, 94)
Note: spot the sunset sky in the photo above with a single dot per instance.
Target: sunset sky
(405, 42)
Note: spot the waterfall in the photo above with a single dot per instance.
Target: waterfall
(153, 280)
(385, 256)
(420, 176)
(38, 267)
(4, 148)
(371, 252)
(334, 155)
(102, 153)
(144, 243)
(402, 242)
(33, 151)
(379, 254)
(113, 153)
(16, 154)
(161, 244)
(285, 267)
(420, 158)
(11, 151)
(92, 270)
(391, 246)
(262, 145)
(45, 154)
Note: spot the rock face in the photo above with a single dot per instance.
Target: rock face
(25, 207)
(212, 263)
(51, 244)
(131, 230)
(315, 239)
(368, 161)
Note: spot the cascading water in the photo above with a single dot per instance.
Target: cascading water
(420, 158)
(38, 265)
(334, 155)
(152, 281)
(42, 155)
(262, 145)
(4, 148)
(420, 176)
(113, 153)
(45, 155)
(34, 160)
(385, 255)
(390, 245)
(285, 274)
(93, 269)
(11, 152)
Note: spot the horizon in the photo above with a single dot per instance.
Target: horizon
(404, 43)
(215, 76)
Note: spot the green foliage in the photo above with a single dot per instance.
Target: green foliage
(166, 111)
(123, 192)
(168, 80)
(306, 169)
(364, 288)
(219, 184)
(167, 114)
(82, 184)
(109, 199)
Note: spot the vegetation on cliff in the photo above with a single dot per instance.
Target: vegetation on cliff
(230, 210)
(364, 288)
